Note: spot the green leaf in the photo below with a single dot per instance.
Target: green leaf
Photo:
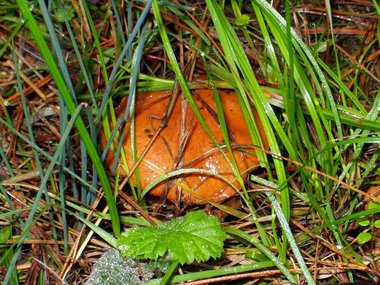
(59, 14)
(376, 224)
(5, 234)
(364, 222)
(193, 237)
(242, 20)
(373, 204)
(364, 237)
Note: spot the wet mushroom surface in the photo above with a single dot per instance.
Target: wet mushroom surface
(184, 143)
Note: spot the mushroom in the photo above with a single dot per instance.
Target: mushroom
(193, 149)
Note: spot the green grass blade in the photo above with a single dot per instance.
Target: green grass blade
(289, 235)
(31, 135)
(126, 48)
(276, 17)
(43, 153)
(215, 273)
(119, 25)
(6, 44)
(183, 84)
(95, 35)
(111, 240)
(67, 97)
(263, 249)
(84, 70)
(41, 191)
(238, 62)
(184, 171)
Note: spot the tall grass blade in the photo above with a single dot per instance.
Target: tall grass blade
(263, 249)
(237, 62)
(140, 22)
(84, 70)
(70, 103)
(46, 176)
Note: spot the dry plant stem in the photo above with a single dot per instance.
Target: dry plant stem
(70, 257)
(38, 241)
(11, 100)
(201, 25)
(356, 18)
(255, 276)
(164, 121)
(136, 206)
(11, 152)
(169, 110)
(28, 81)
(70, 260)
(267, 274)
(317, 257)
(337, 31)
(90, 234)
(20, 178)
(184, 135)
(52, 271)
(372, 56)
(39, 231)
(329, 246)
(133, 169)
(235, 277)
(49, 126)
(356, 63)
(84, 19)
(341, 267)
(300, 165)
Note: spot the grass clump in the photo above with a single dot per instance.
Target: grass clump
(311, 72)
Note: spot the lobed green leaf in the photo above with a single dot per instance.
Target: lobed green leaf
(196, 236)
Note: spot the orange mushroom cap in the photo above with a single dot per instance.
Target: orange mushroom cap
(194, 149)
